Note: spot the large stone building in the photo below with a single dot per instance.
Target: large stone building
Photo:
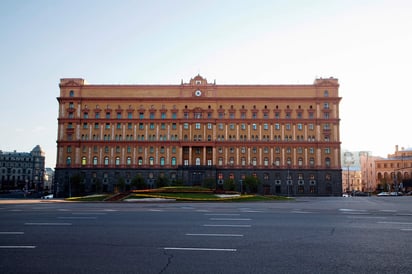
(285, 135)
(22, 170)
(394, 172)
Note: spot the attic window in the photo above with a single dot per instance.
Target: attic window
(198, 82)
(71, 93)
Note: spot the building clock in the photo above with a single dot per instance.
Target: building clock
(198, 92)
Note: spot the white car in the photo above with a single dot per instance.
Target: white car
(50, 196)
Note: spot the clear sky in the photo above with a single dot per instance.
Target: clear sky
(367, 45)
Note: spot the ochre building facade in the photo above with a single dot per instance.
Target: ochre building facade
(286, 135)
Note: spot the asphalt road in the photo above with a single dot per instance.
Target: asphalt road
(310, 235)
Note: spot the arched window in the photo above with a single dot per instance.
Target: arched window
(151, 161)
(162, 161)
(173, 161)
(95, 161)
(129, 161)
(140, 161)
(300, 162)
(69, 161)
(71, 93)
(106, 161)
(84, 161)
(312, 162)
(117, 162)
(326, 93)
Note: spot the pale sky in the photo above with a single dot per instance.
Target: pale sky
(367, 45)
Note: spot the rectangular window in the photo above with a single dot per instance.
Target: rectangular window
(186, 125)
(86, 115)
(107, 115)
(163, 126)
(97, 115)
(265, 126)
(300, 127)
(152, 126)
(152, 115)
(85, 125)
(118, 125)
(197, 125)
(107, 126)
(163, 115)
(129, 125)
(129, 115)
(141, 115)
(119, 115)
(174, 126)
(209, 125)
(174, 115)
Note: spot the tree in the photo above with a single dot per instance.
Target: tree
(209, 183)
(120, 185)
(138, 182)
(252, 183)
(162, 181)
(229, 185)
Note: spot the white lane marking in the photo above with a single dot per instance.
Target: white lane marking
(403, 214)
(251, 211)
(356, 213)
(110, 210)
(406, 229)
(57, 224)
(156, 210)
(77, 218)
(351, 210)
(214, 235)
(89, 213)
(301, 212)
(213, 225)
(230, 219)
(388, 210)
(200, 249)
(18, 246)
(395, 223)
(222, 214)
(364, 217)
(11, 233)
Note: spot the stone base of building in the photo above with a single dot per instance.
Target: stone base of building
(283, 182)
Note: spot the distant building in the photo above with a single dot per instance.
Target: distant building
(48, 179)
(285, 135)
(394, 172)
(22, 170)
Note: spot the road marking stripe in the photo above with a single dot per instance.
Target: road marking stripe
(213, 225)
(47, 223)
(77, 218)
(406, 229)
(18, 246)
(11, 233)
(217, 235)
(395, 223)
(230, 219)
(89, 213)
(222, 214)
(200, 249)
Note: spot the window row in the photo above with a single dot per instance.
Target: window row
(107, 161)
(197, 113)
(220, 126)
(196, 138)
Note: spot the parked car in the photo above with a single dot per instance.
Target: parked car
(345, 195)
(50, 196)
(383, 194)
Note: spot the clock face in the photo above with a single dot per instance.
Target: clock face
(198, 92)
